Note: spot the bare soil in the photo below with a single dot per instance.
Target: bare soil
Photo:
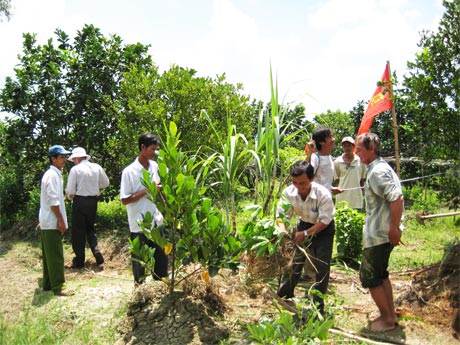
(426, 301)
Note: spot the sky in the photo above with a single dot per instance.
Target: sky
(325, 54)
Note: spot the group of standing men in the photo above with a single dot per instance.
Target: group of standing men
(309, 198)
(84, 183)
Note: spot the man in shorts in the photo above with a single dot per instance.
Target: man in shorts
(384, 207)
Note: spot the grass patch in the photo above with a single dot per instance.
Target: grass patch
(424, 244)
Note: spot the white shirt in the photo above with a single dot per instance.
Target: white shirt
(86, 179)
(51, 194)
(130, 184)
(317, 206)
(324, 170)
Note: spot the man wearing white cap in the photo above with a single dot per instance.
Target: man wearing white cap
(349, 173)
(84, 183)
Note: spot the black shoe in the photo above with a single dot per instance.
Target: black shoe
(99, 258)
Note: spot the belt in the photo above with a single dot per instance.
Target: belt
(87, 196)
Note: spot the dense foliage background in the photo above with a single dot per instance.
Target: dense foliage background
(97, 92)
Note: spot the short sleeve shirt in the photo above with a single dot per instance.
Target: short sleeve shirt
(382, 187)
(130, 184)
(317, 206)
(86, 179)
(324, 170)
(350, 176)
(51, 194)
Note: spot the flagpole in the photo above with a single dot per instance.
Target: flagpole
(395, 126)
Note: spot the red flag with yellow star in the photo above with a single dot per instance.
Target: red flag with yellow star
(380, 101)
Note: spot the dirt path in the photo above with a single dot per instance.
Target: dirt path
(100, 299)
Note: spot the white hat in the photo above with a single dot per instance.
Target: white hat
(78, 152)
(348, 140)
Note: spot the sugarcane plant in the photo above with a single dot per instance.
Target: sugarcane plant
(271, 136)
(231, 162)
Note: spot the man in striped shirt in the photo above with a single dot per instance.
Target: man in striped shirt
(384, 207)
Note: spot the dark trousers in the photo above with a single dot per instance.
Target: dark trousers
(161, 260)
(53, 260)
(84, 209)
(321, 249)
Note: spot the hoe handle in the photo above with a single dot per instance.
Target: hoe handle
(439, 215)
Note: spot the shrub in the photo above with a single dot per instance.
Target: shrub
(349, 224)
(451, 191)
(421, 198)
(11, 195)
(289, 329)
(33, 205)
(111, 215)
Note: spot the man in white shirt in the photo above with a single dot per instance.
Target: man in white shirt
(312, 204)
(84, 183)
(53, 222)
(322, 160)
(134, 196)
(323, 166)
(349, 175)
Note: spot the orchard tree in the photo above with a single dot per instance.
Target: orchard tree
(184, 96)
(178, 95)
(356, 115)
(37, 99)
(432, 99)
(137, 111)
(432, 89)
(62, 94)
(94, 75)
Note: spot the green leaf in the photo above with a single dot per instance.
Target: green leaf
(205, 205)
(172, 129)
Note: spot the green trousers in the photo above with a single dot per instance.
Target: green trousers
(53, 260)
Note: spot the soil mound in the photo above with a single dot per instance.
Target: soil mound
(434, 292)
(157, 317)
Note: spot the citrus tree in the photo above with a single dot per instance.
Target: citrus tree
(194, 231)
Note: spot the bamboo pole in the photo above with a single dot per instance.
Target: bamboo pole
(395, 126)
